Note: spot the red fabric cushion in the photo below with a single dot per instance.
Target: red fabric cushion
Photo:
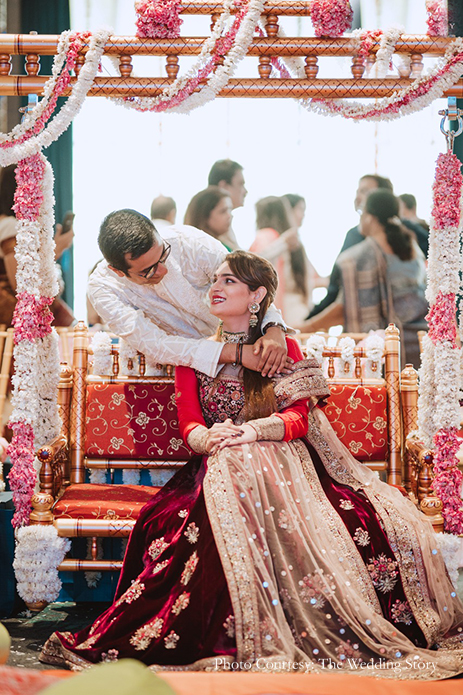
(358, 415)
(137, 421)
(90, 501)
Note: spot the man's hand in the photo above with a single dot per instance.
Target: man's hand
(273, 352)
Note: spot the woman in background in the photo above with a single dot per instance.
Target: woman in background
(383, 279)
(277, 240)
(211, 211)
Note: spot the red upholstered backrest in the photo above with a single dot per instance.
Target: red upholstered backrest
(358, 415)
(133, 420)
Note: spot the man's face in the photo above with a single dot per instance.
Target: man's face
(364, 187)
(236, 189)
(150, 268)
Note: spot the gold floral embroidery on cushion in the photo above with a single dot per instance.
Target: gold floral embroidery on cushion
(380, 424)
(361, 536)
(182, 602)
(157, 547)
(316, 589)
(383, 573)
(143, 637)
(192, 533)
(346, 505)
(171, 640)
(229, 626)
(142, 419)
(133, 592)
(160, 566)
(401, 612)
(190, 567)
(117, 398)
(117, 442)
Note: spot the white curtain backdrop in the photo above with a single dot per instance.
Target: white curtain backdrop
(125, 159)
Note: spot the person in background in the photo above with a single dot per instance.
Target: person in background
(407, 210)
(163, 211)
(277, 240)
(382, 279)
(229, 176)
(211, 211)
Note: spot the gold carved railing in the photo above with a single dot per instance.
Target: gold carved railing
(257, 84)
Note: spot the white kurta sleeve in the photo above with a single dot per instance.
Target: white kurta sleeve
(144, 335)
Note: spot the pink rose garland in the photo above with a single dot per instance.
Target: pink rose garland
(158, 19)
(331, 17)
(447, 190)
(31, 320)
(437, 20)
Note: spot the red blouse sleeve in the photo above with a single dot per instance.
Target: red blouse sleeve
(296, 416)
(187, 400)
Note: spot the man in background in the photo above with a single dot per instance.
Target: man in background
(163, 212)
(229, 176)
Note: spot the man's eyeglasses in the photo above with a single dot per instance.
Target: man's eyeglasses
(149, 272)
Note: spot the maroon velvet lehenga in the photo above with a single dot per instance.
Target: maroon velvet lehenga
(281, 554)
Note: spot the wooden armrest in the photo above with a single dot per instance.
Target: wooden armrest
(49, 451)
(419, 451)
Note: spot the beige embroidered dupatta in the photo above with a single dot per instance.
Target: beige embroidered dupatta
(295, 576)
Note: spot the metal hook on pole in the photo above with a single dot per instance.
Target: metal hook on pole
(452, 113)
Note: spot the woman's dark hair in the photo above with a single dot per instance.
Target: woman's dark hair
(7, 190)
(256, 272)
(293, 199)
(200, 207)
(383, 205)
(275, 212)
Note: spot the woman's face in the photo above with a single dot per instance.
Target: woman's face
(229, 297)
(220, 218)
(299, 213)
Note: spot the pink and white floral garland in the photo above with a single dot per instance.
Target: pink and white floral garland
(437, 19)
(158, 18)
(220, 55)
(35, 414)
(331, 17)
(438, 404)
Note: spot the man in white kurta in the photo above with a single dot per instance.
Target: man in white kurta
(167, 318)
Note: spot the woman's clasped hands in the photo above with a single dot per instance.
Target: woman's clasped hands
(223, 434)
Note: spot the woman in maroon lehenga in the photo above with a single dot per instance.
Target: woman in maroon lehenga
(273, 548)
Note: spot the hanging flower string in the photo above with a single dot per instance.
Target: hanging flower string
(438, 405)
(437, 19)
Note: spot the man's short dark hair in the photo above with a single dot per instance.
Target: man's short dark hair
(161, 207)
(125, 232)
(381, 181)
(408, 200)
(223, 170)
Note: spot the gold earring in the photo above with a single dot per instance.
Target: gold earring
(254, 309)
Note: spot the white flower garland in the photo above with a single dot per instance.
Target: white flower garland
(220, 77)
(68, 111)
(314, 347)
(386, 49)
(127, 354)
(374, 351)
(101, 347)
(449, 546)
(39, 551)
(346, 361)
